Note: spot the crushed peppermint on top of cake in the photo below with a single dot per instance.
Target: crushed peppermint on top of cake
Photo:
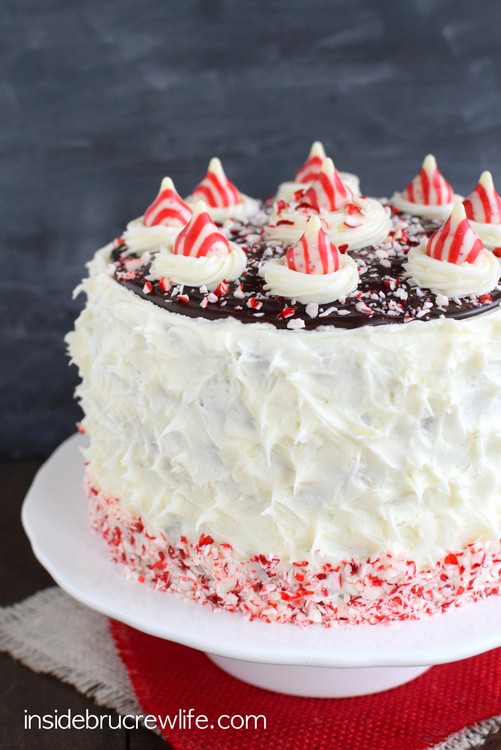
(383, 294)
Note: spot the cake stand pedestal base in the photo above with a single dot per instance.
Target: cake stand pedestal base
(317, 682)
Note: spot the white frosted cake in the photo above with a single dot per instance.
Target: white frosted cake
(294, 408)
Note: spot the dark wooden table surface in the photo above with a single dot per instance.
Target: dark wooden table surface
(20, 689)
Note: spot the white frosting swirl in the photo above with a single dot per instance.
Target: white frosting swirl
(310, 287)
(490, 234)
(288, 225)
(244, 209)
(372, 225)
(287, 190)
(421, 209)
(141, 239)
(209, 270)
(453, 279)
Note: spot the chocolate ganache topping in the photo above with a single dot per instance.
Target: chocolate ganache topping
(383, 294)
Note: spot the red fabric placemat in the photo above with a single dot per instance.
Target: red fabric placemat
(168, 678)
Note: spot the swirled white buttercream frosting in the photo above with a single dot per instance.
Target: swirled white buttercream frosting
(372, 225)
(303, 287)
(490, 234)
(241, 211)
(427, 212)
(319, 446)
(208, 271)
(357, 229)
(453, 279)
(141, 239)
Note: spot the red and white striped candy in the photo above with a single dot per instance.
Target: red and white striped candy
(429, 188)
(313, 164)
(201, 237)
(455, 242)
(484, 204)
(216, 189)
(328, 191)
(168, 208)
(313, 253)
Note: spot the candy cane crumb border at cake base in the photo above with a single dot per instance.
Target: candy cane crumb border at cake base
(378, 589)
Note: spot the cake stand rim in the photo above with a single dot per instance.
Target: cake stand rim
(98, 583)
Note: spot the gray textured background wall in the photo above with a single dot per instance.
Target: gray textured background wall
(100, 98)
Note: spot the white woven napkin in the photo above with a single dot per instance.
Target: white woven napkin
(52, 633)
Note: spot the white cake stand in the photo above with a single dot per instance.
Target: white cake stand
(315, 661)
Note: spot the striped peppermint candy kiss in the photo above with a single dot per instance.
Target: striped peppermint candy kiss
(216, 189)
(313, 164)
(328, 191)
(313, 253)
(455, 242)
(484, 204)
(429, 188)
(201, 237)
(168, 208)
